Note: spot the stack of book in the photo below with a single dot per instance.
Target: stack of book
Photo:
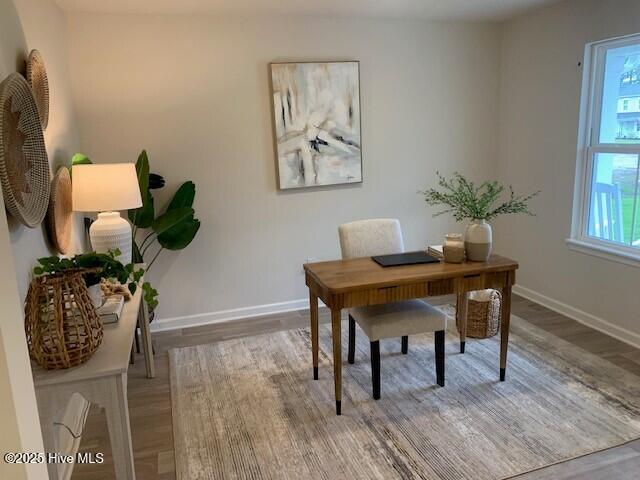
(435, 251)
(111, 309)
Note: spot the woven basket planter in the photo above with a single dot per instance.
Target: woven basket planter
(483, 314)
(62, 327)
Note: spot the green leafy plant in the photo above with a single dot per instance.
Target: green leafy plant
(465, 200)
(100, 266)
(173, 229)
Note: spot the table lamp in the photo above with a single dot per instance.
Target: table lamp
(107, 188)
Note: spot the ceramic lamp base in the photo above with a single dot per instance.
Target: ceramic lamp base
(111, 231)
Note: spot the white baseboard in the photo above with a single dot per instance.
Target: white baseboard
(163, 324)
(580, 316)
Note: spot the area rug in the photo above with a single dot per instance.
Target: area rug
(249, 408)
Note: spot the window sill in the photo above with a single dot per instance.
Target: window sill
(601, 251)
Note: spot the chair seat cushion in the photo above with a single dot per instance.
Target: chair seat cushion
(398, 319)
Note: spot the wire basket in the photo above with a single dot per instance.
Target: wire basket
(62, 327)
(483, 313)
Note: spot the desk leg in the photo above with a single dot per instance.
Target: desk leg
(505, 318)
(313, 311)
(146, 339)
(336, 332)
(117, 410)
(462, 305)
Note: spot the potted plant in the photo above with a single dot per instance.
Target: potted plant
(480, 204)
(172, 229)
(95, 267)
(154, 232)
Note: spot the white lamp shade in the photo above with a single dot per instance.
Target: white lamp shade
(105, 187)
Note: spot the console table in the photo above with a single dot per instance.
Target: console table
(359, 282)
(101, 380)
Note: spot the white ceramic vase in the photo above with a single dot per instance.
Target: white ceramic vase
(478, 241)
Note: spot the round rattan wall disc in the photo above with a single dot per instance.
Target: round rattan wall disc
(37, 78)
(24, 167)
(60, 214)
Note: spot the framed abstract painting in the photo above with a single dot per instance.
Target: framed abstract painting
(316, 110)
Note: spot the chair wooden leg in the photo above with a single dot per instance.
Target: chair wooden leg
(352, 340)
(375, 368)
(439, 348)
(405, 344)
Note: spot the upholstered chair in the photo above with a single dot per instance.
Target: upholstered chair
(366, 238)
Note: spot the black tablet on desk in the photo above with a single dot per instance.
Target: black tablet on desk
(408, 258)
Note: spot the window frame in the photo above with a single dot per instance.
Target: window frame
(590, 118)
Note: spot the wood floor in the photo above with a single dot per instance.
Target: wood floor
(150, 399)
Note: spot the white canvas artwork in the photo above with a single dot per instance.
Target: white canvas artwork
(316, 108)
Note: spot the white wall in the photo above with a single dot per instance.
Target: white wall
(27, 24)
(44, 27)
(194, 92)
(539, 104)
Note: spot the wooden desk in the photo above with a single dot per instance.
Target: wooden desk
(101, 380)
(360, 281)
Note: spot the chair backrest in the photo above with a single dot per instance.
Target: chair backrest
(365, 238)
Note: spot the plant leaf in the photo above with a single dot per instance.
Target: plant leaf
(180, 235)
(171, 218)
(142, 170)
(155, 181)
(80, 159)
(184, 196)
(143, 217)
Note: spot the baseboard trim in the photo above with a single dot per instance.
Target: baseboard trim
(597, 323)
(164, 324)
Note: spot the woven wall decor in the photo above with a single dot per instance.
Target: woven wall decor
(24, 167)
(62, 327)
(60, 213)
(39, 83)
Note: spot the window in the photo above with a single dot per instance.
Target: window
(606, 213)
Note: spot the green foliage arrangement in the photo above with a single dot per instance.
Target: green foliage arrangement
(173, 229)
(99, 266)
(465, 200)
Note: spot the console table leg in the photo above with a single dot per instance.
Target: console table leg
(147, 346)
(117, 411)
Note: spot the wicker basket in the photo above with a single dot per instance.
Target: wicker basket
(483, 314)
(62, 327)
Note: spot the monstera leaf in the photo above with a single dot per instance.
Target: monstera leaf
(181, 234)
(143, 217)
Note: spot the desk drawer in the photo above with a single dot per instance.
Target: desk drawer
(471, 282)
(376, 296)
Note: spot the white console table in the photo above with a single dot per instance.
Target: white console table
(101, 380)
